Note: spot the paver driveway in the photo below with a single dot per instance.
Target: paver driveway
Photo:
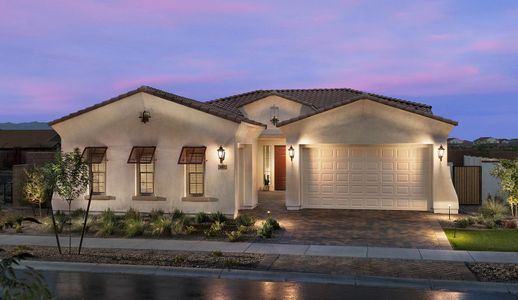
(404, 229)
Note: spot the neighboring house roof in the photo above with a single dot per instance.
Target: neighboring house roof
(322, 100)
(201, 106)
(10, 139)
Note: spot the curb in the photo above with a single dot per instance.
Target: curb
(365, 281)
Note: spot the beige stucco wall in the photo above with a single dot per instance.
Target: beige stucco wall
(171, 127)
(368, 122)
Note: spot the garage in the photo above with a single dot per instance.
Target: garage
(383, 177)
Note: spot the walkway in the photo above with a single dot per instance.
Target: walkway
(267, 248)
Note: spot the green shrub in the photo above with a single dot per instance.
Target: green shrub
(80, 212)
(132, 214)
(105, 227)
(163, 226)
(61, 220)
(461, 223)
(245, 229)
(230, 262)
(107, 215)
(177, 214)
(156, 214)
(489, 223)
(272, 222)
(245, 220)
(189, 229)
(494, 209)
(218, 216)
(134, 227)
(265, 231)
(214, 229)
(18, 228)
(202, 217)
(234, 236)
(216, 253)
(179, 259)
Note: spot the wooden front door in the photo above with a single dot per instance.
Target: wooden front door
(280, 168)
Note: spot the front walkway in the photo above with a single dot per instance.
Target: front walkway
(268, 248)
(399, 229)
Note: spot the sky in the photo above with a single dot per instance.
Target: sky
(459, 56)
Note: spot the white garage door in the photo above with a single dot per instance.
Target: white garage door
(366, 177)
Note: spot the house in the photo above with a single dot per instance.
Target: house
(325, 148)
(20, 149)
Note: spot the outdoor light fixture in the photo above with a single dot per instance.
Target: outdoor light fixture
(441, 152)
(274, 115)
(291, 152)
(145, 116)
(221, 154)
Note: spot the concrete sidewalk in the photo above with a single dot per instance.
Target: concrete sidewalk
(367, 281)
(264, 248)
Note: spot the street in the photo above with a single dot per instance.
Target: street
(75, 285)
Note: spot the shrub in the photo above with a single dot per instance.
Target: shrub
(272, 222)
(245, 220)
(461, 223)
(178, 214)
(106, 227)
(489, 223)
(215, 228)
(156, 214)
(510, 224)
(134, 227)
(230, 262)
(107, 215)
(189, 229)
(265, 231)
(202, 217)
(132, 214)
(179, 259)
(493, 209)
(162, 226)
(216, 253)
(245, 229)
(77, 213)
(234, 236)
(61, 219)
(218, 216)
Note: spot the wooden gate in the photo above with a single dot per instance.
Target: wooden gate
(468, 184)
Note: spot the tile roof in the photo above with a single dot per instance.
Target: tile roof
(322, 100)
(10, 139)
(201, 106)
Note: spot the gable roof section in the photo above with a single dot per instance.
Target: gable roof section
(315, 98)
(383, 100)
(201, 106)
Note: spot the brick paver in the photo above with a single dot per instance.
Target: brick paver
(401, 229)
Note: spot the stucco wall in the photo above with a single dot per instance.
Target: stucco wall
(490, 184)
(366, 122)
(172, 126)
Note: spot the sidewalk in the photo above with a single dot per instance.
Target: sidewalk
(264, 248)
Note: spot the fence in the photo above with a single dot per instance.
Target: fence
(468, 184)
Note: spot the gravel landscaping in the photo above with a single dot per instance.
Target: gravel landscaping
(495, 272)
(144, 257)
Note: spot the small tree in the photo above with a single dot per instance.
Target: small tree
(507, 172)
(72, 178)
(35, 188)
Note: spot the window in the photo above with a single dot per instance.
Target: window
(98, 178)
(146, 179)
(95, 157)
(143, 157)
(195, 179)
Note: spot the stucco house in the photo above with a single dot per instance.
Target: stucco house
(326, 148)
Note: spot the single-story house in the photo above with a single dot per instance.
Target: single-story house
(326, 148)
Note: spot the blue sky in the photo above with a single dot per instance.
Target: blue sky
(459, 56)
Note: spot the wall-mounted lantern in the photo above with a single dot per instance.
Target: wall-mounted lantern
(441, 152)
(221, 154)
(291, 153)
(274, 115)
(145, 116)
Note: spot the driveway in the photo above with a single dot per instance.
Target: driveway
(401, 229)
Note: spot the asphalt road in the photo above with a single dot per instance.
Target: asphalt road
(74, 285)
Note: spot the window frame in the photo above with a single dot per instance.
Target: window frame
(139, 179)
(92, 177)
(189, 173)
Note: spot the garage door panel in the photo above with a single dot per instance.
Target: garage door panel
(367, 177)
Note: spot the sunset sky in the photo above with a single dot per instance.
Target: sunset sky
(460, 56)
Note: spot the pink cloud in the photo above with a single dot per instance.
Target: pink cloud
(507, 45)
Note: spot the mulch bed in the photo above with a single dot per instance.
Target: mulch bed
(494, 272)
(144, 257)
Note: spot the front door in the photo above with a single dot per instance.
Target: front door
(280, 168)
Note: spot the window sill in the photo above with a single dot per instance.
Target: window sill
(148, 198)
(100, 197)
(199, 199)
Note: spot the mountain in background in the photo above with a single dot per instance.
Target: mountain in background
(24, 126)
